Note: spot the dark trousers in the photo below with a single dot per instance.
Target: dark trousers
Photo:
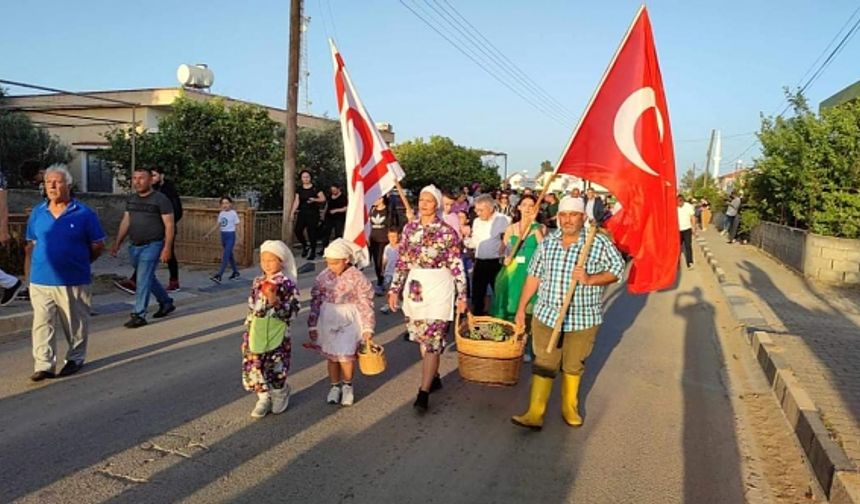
(687, 243)
(483, 276)
(732, 223)
(330, 225)
(307, 222)
(376, 249)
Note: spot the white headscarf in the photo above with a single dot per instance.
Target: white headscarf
(280, 249)
(437, 194)
(345, 249)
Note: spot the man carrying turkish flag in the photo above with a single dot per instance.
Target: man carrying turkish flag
(624, 143)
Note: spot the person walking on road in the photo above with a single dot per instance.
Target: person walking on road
(266, 344)
(687, 226)
(733, 214)
(11, 284)
(382, 217)
(306, 211)
(486, 239)
(335, 214)
(429, 273)
(341, 317)
(550, 272)
(66, 237)
(148, 223)
(228, 219)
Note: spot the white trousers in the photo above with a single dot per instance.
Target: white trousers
(70, 307)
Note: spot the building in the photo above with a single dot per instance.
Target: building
(81, 121)
(850, 93)
(730, 181)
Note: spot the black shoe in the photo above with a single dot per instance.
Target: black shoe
(234, 276)
(164, 310)
(135, 321)
(422, 402)
(305, 251)
(41, 375)
(10, 293)
(71, 368)
(312, 255)
(437, 384)
(216, 278)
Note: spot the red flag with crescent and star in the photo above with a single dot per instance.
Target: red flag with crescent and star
(624, 143)
(371, 168)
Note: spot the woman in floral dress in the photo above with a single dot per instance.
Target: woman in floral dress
(429, 274)
(273, 294)
(341, 316)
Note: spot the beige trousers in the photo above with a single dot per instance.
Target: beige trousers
(575, 348)
(68, 307)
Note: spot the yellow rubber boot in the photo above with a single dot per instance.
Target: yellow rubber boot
(569, 400)
(533, 418)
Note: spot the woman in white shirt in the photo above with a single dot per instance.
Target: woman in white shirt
(228, 219)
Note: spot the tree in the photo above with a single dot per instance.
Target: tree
(321, 152)
(442, 163)
(25, 148)
(809, 173)
(546, 167)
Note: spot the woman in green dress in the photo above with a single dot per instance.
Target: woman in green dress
(510, 280)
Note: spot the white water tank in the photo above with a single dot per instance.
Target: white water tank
(197, 76)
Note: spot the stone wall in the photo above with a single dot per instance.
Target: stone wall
(825, 258)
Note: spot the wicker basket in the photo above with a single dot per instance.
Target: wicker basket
(489, 362)
(372, 362)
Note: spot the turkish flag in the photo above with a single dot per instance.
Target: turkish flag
(624, 143)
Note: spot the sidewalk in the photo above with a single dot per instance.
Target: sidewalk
(806, 336)
(17, 317)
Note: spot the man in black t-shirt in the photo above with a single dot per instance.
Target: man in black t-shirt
(306, 212)
(148, 222)
(335, 214)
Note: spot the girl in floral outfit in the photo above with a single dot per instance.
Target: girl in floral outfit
(430, 275)
(273, 294)
(341, 317)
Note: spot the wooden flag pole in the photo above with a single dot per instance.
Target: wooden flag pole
(402, 196)
(568, 297)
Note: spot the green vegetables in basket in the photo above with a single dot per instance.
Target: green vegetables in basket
(489, 332)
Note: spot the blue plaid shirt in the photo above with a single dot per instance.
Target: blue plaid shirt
(554, 265)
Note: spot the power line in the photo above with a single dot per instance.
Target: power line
(483, 67)
(507, 64)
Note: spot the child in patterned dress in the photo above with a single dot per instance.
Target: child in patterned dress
(273, 294)
(341, 317)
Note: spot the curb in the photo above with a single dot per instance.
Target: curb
(831, 467)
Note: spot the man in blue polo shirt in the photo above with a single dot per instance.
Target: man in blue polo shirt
(65, 237)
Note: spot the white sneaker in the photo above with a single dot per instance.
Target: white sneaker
(280, 399)
(263, 406)
(333, 395)
(347, 397)
(385, 309)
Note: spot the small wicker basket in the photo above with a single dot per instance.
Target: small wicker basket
(371, 361)
(489, 362)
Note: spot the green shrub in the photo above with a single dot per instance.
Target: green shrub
(839, 215)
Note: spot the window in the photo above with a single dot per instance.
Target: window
(99, 174)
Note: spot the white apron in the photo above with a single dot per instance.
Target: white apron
(339, 329)
(437, 293)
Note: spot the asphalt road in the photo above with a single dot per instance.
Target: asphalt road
(159, 415)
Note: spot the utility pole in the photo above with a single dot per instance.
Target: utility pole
(292, 122)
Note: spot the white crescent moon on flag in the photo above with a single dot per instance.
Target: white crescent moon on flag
(625, 125)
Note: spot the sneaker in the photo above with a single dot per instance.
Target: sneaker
(280, 399)
(346, 397)
(127, 285)
(385, 309)
(305, 251)
(164, 310)
(135, 321)
(263, 406)
(71, 368)
(173, 286)
(333, 395)
(24, 294)
(10, 293)
(216, 278)
(234, 275)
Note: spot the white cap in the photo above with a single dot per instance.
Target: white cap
(571, 204)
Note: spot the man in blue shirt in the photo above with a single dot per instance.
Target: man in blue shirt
(65, 237)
